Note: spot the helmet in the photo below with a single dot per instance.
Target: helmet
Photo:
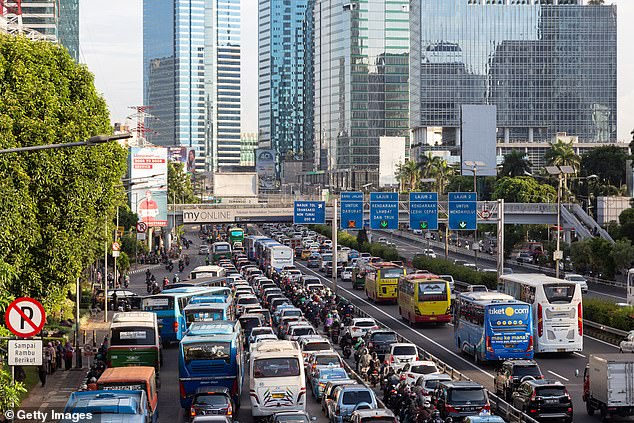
(435, 413)
(407, 390)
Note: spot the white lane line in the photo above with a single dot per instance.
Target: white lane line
(404, 325)
(601, 294)
(559, 376)
(616, 347)
(579, 354)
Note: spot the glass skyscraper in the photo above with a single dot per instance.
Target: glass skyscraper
(549, 66)
(361, 60)
(285, 70)
(68, 26)
(190, 69)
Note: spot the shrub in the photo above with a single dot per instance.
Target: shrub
(609, 314)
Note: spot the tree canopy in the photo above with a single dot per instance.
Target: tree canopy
(524, 189)
(179, 185)
(607, 162)
(515, 164)
(55, 202)
(562, 153)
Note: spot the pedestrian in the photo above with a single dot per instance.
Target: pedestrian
(51, 358)
(41, 371)
(68, 356)
(59, 354)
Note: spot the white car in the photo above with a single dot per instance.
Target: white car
(572, 277)
(430, 382)
(627, 345)
(414, 370)
(346, 274)
(400, 354)
(204, 249)
(260, 330)
(428, 252)
(360, 326)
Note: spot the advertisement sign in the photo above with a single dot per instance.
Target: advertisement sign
(148, 196)
(177, 154)
(265, 168)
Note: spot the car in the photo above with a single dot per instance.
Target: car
(544, 399)
(360, 326)
(348, 399)
(459, 262)
(320, 359)
(132, 298)
(457, 399)
(329, 391)
(573, 277)
(483, 419)
(203, 250)
(292, 417)
(260, 330)
(295, 331)
(449, 278)
(322, 376)
(417, 231)
(380, 415)
(313, 261)
(627, 345)
(524, 258)
(414, 370)
(346, 274)
(429, 383)
(401, 354)
(379, 341)
(428, 252)
(512, 373)
(211, 400)
(313, 343)
(382, 240)
(211, 419)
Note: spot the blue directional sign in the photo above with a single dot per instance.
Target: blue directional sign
(423, 210)
(309, 213)
(384, 210)
(463, 208)
(351, 210)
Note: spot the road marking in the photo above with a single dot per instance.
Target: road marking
(578, 354)
(606, 295)
(404, 325)
(559, 376)
(603, 342)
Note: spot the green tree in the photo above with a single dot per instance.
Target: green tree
(622, 254)
(54, 203)
(407, 174)
(562, 153)
(595, 2)
(438, 169)
(515, 164)
(524, 189)
(127, 218)
(607, 162)
(179, 185)
(362, 237)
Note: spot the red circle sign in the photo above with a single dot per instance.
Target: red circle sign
(25, 317)
(141, 227)
(486, 214)
(116, 246)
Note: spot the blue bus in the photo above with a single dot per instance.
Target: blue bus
(168, 307)
(218, 327)
(205, 312)
(493, 326)
(210, 360)
(249, 245)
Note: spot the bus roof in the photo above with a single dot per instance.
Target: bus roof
(214, 337)
(209, 268)
(134, 316)
(206, 306)
(184, 290)
(268, 348)
(385, 265)
(423, 276)
(220, 243)
(211, 328)
(487, 297)
(532, 279)
(126, 374)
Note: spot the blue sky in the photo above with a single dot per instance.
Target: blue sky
(111, 44)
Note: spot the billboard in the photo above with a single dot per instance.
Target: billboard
(177, 154)
(265, 168)
(391, 153)
(478, 137)
(148, 174)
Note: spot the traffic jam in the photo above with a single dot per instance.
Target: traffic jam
(251, 324)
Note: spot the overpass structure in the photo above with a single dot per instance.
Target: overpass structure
(573, 217)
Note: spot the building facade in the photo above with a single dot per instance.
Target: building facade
(190, 68)
(549, 66)
(68, 29)
(361, 77)
(285, 90)
(248, 144)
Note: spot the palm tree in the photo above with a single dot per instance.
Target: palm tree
(438, 169)
(562, 154)
(515, 164)
(407, 174)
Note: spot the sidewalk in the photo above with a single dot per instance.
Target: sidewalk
(142, 268)
(62, 383)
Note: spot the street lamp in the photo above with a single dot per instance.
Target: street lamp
(560, 172)
(474, 168)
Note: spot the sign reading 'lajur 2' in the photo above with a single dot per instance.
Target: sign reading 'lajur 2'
(463, 208)
(384, 210)
(423, 210)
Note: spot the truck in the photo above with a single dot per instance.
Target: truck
(608, 385)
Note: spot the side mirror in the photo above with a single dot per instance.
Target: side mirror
(576, 372)
(312, 419)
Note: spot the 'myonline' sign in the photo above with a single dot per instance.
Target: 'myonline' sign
(219, 215)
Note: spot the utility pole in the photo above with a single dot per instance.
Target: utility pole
(105, 275)
(500, 267)
(335, 254)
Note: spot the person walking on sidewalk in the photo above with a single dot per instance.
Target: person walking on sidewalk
(43, 368)
(68, 356)
(59, 354)
(51, 360)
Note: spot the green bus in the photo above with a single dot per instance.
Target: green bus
(220, 250)
(236, 234)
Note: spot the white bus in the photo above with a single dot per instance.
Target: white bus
(208, 272)
(630, 287)
(557, 310)
(277, 256)
(276, 378)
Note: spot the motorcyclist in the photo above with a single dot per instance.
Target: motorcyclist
(166, 281)
(391, 381)
(176, 278)
(346, 340)
(424, 412)
(375, 364)
(435, 417)
(126, 281)
(364, 361)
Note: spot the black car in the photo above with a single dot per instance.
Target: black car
(544, 400)
(461, 399)
(512, 373)
(379, 341)
(211, 400)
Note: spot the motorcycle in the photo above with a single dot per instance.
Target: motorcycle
(334, 335)
(181, 267)
(374, 378)
(347, 351)
(170, 266)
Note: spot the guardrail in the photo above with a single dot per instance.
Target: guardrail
(605, 333)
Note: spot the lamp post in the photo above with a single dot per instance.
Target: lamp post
(560, 172)
(473, 166)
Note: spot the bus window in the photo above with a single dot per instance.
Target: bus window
(560, 294)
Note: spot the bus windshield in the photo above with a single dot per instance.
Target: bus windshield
(132, 336)
(276, 367)
(432, 291)
(559, 293)
(221, 248)
(208, 351)
(391, 273)
(158, 303)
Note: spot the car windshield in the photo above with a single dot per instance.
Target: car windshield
(384, 337)
(211, 400)
(423, 369)
(521, 371)
(336, 373)
(404, 350)
(132, 336)
(323, 360)
(364, 324)
(551, 391)
(303, 331)
(292, 313)
(356, 397)
(317, 346)
(276, 367)
(431, 384)
(221, 248)
(463, 396)
(559, 293)
(576, 278)
(247, 300)
(391, 273)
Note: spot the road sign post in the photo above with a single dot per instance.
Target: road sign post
(25, 317)
(309, 212)
(352, 210)
(423, 210)
(462, 211)
(384, 210)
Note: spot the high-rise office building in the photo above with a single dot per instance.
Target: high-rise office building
(248, 144)
(549, 67)
(68, 26)
(191, 77)
(361, 60)
(285, 92)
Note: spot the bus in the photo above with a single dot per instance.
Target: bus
(220, 250)
(208, 272)
(423, 297)
(168, 307)
(276, 379)
(381, 281)
(235, 234)
(249, 245)
(557, 310)
(493, 326)
(206, 312)
(276, 257)
(210, 360)
(630, 287)
(260, 247)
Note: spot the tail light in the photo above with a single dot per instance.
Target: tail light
(354, 328)
(533, 396)
(370, 345)
(530, 344)
(338, 410)
(175, 326)
(181, 387)
(416, 359)
(192, 412)
(229, 410)
(580, 319)
(489, 348)
(540, 321)
(451, 409)
(391, 359)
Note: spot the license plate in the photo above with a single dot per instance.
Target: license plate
(561, 350)
(551, 401)
(160, 327)
(278, 396)
(432, 318)
(509, 345)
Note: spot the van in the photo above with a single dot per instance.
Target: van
(135, 340)
(133, 378)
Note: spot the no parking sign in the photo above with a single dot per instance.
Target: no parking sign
(25, 317)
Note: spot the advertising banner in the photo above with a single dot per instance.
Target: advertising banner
(148, 174)
(177, 154)
(265, 168)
